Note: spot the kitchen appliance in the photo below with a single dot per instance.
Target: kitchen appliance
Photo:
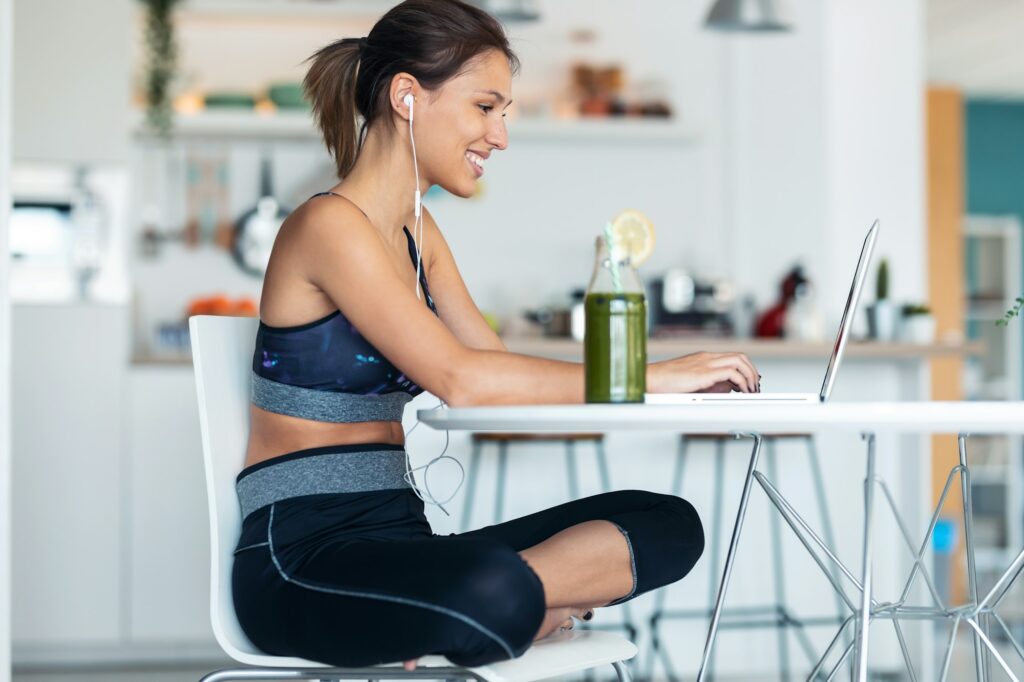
(681, 304)
(842, 336)
(256, 230)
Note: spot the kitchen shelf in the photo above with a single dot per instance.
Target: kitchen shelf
(314, 9)
(298, 125)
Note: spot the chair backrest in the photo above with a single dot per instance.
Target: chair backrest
(222, 349)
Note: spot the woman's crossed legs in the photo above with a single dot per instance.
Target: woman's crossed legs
(476, 597)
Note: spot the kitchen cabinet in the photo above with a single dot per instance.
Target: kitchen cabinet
(168, 552)
(110, 556)
(67, 377)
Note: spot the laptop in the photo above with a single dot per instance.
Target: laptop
(859, 275)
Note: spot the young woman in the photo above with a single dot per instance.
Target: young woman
(337, 562)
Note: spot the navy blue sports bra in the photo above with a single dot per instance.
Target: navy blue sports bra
(326, 370)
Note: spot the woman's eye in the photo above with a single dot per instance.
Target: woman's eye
(486, 108)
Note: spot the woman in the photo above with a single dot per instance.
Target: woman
(337, 562)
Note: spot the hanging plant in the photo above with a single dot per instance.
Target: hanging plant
(1012, 312)
(161, 64)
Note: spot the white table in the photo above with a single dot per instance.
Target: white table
(753, 421)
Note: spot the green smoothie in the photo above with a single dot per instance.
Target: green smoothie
(615, 347)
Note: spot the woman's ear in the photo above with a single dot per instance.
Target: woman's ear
(403, 85)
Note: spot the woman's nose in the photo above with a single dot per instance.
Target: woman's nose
(497, 135)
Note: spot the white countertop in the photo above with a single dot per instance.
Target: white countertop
(903, 417)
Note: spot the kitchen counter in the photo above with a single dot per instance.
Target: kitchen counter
(661, 348)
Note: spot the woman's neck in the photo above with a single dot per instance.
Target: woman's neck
(382, 183)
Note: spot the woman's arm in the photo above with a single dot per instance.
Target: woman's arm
(344, 256)
(511, 379)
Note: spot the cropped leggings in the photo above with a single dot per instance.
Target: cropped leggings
(357, 578)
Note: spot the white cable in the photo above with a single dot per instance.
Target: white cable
(417, 226)
(411, 479)
(417, 237)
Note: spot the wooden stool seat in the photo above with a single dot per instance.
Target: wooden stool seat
(519, 437)
(731, 436)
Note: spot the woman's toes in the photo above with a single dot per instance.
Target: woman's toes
(566, 625)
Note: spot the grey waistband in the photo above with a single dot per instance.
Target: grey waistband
(327, 406)
(317, 474)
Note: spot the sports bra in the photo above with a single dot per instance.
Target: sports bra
(327, 371)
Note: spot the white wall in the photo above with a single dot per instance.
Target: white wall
(874, 96)
(827, 134)
(6, 37)
(72, 82)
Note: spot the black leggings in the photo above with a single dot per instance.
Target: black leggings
(358, 579)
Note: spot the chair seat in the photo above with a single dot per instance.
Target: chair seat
(498, 437)
(558, 654)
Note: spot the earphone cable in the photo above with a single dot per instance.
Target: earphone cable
(410, 478)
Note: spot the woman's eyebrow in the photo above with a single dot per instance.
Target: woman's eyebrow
(500, 97)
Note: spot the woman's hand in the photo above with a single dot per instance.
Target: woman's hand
(704, 373)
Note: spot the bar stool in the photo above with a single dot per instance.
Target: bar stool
(569, 440)
(774, 615)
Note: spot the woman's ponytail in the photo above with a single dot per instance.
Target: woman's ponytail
(330, 87)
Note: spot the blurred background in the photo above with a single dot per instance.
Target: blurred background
(761, 153)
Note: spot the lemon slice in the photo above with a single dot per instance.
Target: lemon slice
(634, 233)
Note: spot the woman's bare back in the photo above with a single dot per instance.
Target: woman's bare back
(289, 299)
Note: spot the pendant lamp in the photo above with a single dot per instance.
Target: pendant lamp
(748, 15)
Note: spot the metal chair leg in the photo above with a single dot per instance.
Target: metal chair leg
(471, 476)
(980, 653)
(826, 515)
(741, 513)
(499, 494)
(654, 622)
(622, 671)
(715, 553)
(864, 619)
(572, 475)
(778, 570)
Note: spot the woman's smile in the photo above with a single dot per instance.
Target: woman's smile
(476, 162)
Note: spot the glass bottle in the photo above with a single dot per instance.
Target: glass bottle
(615, 338)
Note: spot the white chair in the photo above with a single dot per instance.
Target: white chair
(222, 350)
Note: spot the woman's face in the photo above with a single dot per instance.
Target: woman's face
(458, 125)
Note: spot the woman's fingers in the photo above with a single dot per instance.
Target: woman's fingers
(739, 363)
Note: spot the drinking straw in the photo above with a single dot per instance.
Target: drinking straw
(609, 239)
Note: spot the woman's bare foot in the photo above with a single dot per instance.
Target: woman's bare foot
(561, 618)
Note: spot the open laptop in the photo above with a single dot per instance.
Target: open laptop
(833, 364)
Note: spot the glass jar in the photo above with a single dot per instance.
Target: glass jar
(615, 337)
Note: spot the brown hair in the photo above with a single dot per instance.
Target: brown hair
(351, 78)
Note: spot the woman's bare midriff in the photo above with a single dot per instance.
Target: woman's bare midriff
(272, 435)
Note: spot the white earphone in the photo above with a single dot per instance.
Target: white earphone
(408, 100)
(417, 229)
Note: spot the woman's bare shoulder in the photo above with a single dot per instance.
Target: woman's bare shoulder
(330, 214)
(290, 288)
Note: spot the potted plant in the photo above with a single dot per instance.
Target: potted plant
(882, 313)
(917, 324)
(161, 64)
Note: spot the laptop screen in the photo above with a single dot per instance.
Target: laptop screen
(851, 309)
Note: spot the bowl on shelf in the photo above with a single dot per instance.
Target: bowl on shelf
(228, 100)
(287, 95)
